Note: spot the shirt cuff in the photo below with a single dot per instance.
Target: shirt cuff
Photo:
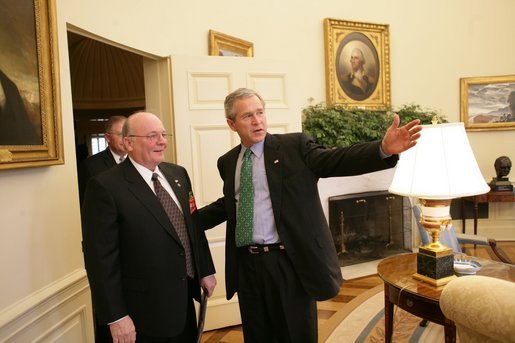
(116, 321)
(381, 152)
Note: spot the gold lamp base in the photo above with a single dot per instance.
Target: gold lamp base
(435, 261)
(434, 282)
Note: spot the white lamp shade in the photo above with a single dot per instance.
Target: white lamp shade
(440, 166)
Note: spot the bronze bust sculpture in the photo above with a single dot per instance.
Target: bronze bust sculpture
(502, 168)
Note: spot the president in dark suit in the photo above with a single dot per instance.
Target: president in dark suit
(290, 261)
(143, 270)
(113, 154)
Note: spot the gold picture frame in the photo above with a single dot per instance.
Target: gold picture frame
(364, 85)
(221, 44)
(33, 81)
(488, 103)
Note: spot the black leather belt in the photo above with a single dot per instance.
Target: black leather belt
(262, 248)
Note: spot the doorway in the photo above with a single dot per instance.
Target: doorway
(106, 81)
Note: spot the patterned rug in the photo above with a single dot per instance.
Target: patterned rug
(363, 321)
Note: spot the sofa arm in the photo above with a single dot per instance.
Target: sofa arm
(481, 307)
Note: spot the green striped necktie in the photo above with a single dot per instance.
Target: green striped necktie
(245, 215)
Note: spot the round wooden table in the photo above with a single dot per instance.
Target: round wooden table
(422, 299)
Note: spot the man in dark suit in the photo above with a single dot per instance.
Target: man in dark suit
(107, 158)
(290, 261)
(143, 275)
(113, 154)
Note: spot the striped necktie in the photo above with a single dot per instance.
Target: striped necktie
(245, 215)
(177, 220)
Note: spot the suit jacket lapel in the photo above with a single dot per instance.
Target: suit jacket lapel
(229, 179)
(274, 171)
(181, 189)
(108, 158)
(142, 191)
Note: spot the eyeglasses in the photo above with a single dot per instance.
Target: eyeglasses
(153, 136)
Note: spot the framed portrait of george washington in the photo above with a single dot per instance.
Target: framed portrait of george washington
(30, 111)
(357, 64)
(488, 103)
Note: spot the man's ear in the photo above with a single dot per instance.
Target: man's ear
(127, 144)
(231, 124)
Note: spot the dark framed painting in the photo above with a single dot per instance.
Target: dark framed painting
(30, 111)
(357, 64)
(221, 44)
(488, 103)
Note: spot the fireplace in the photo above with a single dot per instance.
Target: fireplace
(370, 226)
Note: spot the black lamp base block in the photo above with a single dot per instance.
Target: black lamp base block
(435, 269)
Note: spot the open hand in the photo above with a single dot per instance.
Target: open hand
(398, 139)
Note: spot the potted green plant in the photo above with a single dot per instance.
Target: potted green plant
(338, 126)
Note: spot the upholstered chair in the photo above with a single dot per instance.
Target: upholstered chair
(483, 308)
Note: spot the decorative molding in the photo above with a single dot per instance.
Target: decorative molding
(62, 309)
(207, 90)
(272, 87)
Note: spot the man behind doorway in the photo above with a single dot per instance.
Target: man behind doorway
(113, 154)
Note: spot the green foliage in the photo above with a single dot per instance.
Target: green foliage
(339, 126)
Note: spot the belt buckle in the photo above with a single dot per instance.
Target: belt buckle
(253, 249)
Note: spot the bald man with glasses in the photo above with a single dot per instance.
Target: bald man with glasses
(145, 258)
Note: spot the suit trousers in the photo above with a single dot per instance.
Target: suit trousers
(103, 333)
(274, 306)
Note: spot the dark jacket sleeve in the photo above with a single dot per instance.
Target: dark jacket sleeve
(101, 252)
(360, 158)
(213, 214)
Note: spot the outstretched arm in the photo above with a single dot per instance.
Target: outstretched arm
(398, 139)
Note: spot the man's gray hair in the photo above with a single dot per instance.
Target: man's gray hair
(240, 93)
(359, 53)
(112, 121)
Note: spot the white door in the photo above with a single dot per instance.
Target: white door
(200, 85)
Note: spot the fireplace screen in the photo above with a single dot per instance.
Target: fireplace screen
(369, 226)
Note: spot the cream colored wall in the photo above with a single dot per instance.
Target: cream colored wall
(433, 44)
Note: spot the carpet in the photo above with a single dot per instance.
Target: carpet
(362, 320)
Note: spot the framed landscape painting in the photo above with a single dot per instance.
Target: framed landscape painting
(488, 103)
(30, 112)
(221, 44)
(357, 64)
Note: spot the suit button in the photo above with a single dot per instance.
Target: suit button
(183, 278)
(181, 253)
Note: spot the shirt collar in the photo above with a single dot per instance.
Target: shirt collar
(116, 156)
(257, 149)
(145, 172)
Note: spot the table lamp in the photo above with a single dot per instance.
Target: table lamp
(439, 168)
